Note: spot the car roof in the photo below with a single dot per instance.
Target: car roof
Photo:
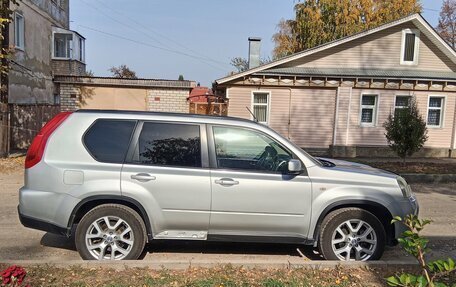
(214, 118)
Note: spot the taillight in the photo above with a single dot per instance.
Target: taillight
(36, 149)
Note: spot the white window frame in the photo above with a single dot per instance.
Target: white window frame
(374, 109)
(401, 107)
(53, 46)
(21, 28)
(268, 105)
(442, 111)
(416, 50)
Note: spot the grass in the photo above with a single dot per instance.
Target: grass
(223, 276)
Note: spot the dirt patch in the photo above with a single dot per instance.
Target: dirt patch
(416, 167)
(200, 277)
(12, 164)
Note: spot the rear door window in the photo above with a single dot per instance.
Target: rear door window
(168, 144)
(108, 140)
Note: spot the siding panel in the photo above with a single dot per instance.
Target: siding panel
(375, 136)
(312, 113)
(381, 50)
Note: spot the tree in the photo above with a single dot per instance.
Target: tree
(181, 78)
(123, 72)
(320, 21)
(447, 22)
(242, 64)
(406, 130)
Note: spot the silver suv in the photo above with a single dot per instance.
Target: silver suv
(123, 179)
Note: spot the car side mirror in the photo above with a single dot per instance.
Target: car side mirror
(294, 166)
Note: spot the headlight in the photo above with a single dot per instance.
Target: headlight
(405, 188)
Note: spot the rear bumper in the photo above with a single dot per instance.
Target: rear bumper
(38, 224)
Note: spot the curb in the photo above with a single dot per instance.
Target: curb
(429, 178)
(248, 264)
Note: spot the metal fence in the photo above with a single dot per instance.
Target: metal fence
(213, 109)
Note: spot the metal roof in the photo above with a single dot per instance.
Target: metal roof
(110, 81)
(360, 73)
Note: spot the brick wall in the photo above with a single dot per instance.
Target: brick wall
(68, 67)
(69, 97)
(168, 100)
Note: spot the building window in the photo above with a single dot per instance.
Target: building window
(435, 111)
(368, 110)
(410, 46)
(62, 45)
(261, 107)
(19, 31)
(68, 45)
(402, 102)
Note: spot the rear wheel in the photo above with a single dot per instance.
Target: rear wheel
(351, 234)
(111, 232)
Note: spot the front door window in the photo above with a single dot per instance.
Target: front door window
(243, 149)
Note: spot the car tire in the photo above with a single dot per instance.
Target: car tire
(111, 232)
(351, 234)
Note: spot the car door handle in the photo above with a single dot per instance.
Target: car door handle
(143, 177)
(226, 182)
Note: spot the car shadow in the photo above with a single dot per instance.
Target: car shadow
(202, 247)
(212, 247)
(58, 241)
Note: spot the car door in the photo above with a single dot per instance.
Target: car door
(167, 172)
(252, 193)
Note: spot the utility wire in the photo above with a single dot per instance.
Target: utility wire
(166, 47)
(150, 45)
(159, 34)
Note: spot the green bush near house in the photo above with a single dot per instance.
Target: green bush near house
(406, 130)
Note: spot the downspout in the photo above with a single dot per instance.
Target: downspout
(453, 136)
(289, 112)
(336, 117)
(348, 117)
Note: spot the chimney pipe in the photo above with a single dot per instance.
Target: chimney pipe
(254, 52)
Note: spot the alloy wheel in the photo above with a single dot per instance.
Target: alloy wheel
(109, 238)
(354, 240)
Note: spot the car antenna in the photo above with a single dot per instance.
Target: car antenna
(254, 118)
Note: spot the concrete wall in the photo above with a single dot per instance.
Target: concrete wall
(30, 79)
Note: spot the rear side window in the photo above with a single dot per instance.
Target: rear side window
(166, 144)
(108, 140)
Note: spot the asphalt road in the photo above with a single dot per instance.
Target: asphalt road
(438, 202)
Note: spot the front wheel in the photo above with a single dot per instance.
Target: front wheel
(350, 234)
(111, 232)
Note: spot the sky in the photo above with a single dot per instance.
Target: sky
(194, 38)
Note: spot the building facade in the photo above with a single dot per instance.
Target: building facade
(335, 98)
(44, 46)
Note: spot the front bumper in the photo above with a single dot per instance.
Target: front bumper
(408, 206)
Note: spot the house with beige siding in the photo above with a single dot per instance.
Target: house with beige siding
(334, 98)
